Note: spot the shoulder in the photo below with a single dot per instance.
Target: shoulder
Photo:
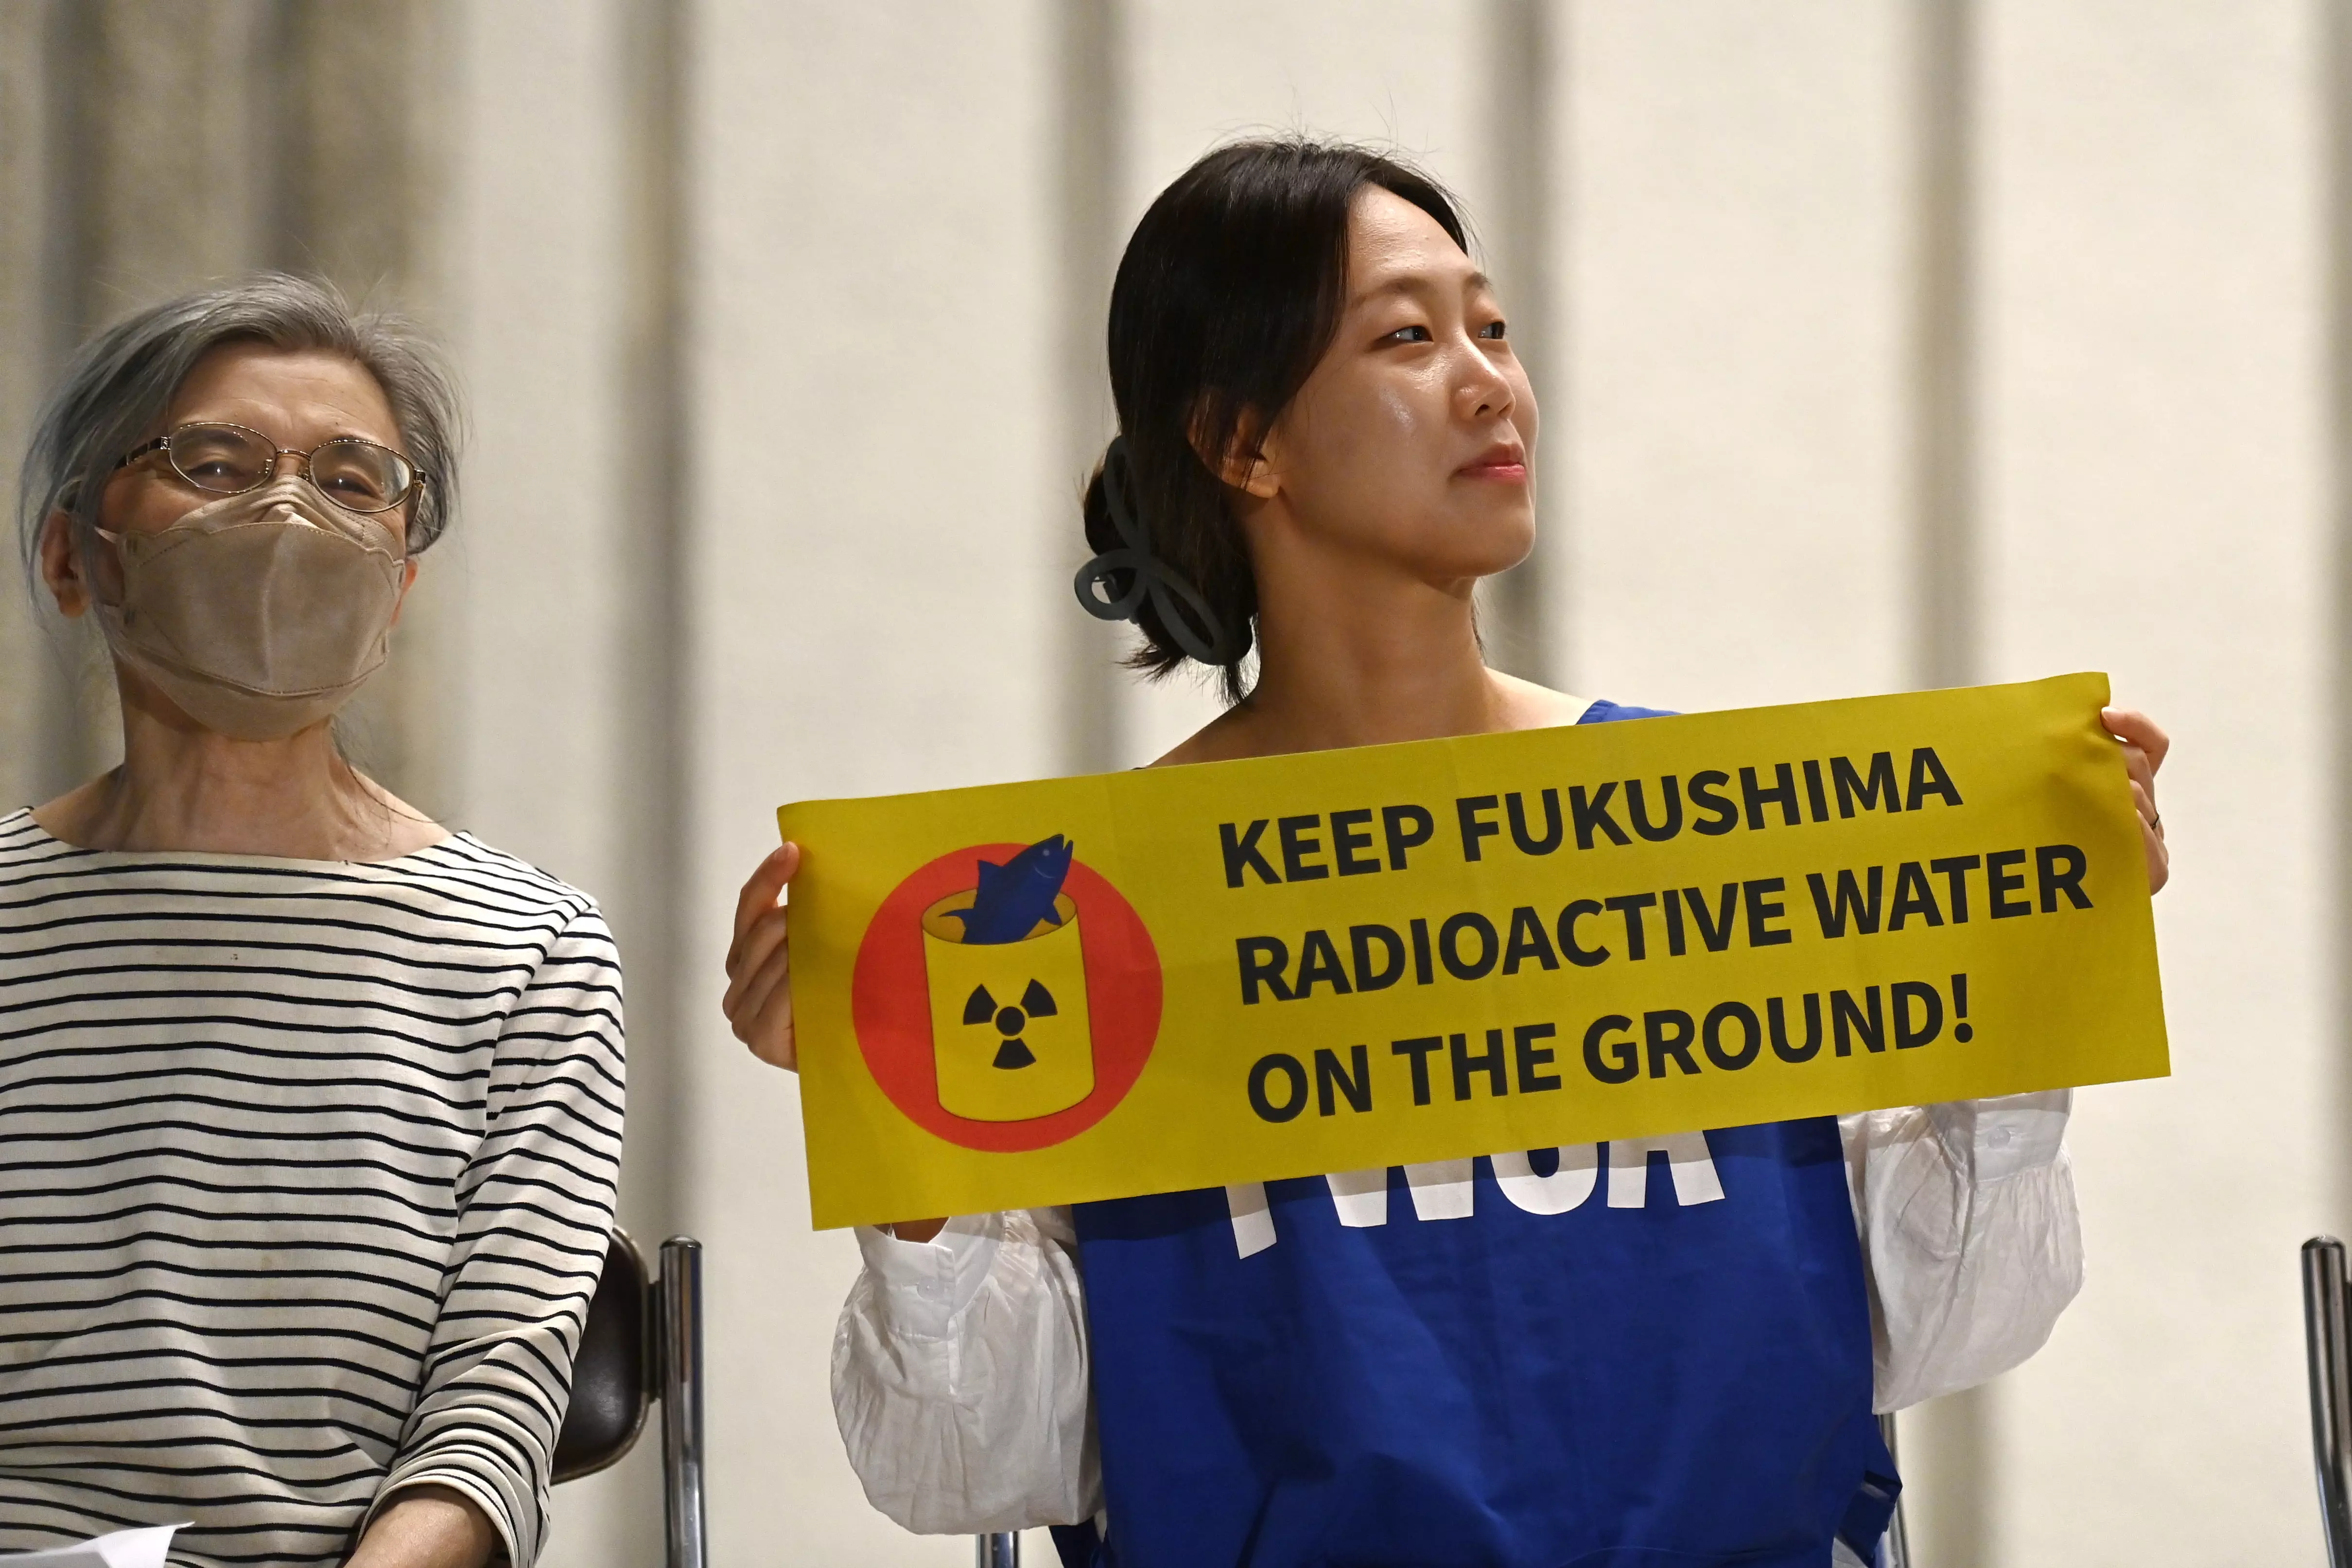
(1533, 707)
(1223, 739)
(463, 868)
(36, 867)
(1528, 706)
(23, 841)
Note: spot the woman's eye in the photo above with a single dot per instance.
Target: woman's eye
(1492, 329)
(1411, 335)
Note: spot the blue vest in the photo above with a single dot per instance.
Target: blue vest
(1652, 1356)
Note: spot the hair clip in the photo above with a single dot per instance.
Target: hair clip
(1203, 636)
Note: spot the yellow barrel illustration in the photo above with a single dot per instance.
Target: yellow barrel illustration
(1009, 1026)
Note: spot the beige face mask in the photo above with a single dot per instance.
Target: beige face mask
(260, 613)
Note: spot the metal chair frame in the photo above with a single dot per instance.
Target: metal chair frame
(2329, 1358)
(1895, 1548)
(669, 1369)
(677, 1331)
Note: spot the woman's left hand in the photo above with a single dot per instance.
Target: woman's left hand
(2144, 749)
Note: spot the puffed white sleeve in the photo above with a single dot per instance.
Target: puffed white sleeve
(1969, 1235)
(959, 1376)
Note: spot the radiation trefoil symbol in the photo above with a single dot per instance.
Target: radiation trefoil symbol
(1005, 967)
(1010, 1021)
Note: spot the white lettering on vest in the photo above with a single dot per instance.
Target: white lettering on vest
(1253, 1220)
(1362, 1197)
(1445, 1189)
(1688, 1162)
(1564, 1189)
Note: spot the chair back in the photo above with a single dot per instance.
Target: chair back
(2330, 1361)
(611, 1385)
(643, 1342)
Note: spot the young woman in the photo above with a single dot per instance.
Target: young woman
(309, 1108)
(1326, 440)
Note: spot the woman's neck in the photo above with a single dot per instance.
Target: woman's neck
(1360, 655)
(1372, 668)
(186, 789)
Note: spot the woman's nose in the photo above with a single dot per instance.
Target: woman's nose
(1486, 391)
(278, 464)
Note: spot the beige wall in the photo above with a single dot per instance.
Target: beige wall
(873, 586)
(2155, 504)
(780, 325)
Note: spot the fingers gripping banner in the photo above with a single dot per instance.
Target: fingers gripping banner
(1184, 977)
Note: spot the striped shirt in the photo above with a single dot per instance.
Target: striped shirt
(306, 1169)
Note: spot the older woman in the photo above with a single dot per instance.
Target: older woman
(309, 1108)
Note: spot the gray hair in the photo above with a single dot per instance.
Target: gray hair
(119, 384)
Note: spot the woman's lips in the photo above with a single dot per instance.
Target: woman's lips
(1513, 471)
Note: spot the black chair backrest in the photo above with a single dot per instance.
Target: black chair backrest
(612, 1377)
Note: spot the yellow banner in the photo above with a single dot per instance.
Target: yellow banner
(1174, 978)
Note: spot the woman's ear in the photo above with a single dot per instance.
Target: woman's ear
(1252, 469)
(1246, 462)
(61, 566)
(407, 580)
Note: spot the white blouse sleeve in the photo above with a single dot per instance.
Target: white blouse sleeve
(1969, 1235)
(959, 1376)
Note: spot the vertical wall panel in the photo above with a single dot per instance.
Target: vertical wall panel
(1734, 231)
(27, 775)
(649, 730)
(1945, 1445)
(1090, 135)
(359, 182)
(537, 258)
(877, 439)
(2153, 505)
(1523, 88)
(1389, 73)
(530, 595)
(171, 141)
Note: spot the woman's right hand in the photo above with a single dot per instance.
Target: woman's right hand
(758, 1001)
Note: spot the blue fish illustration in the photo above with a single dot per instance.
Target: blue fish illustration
(1015, 896)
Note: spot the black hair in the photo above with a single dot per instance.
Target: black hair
(1230, 291)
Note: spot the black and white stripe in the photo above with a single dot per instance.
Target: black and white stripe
(305, 1175)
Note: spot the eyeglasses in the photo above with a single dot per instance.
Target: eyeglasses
(227, 460)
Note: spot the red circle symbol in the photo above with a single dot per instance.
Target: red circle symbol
(891, 1006)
